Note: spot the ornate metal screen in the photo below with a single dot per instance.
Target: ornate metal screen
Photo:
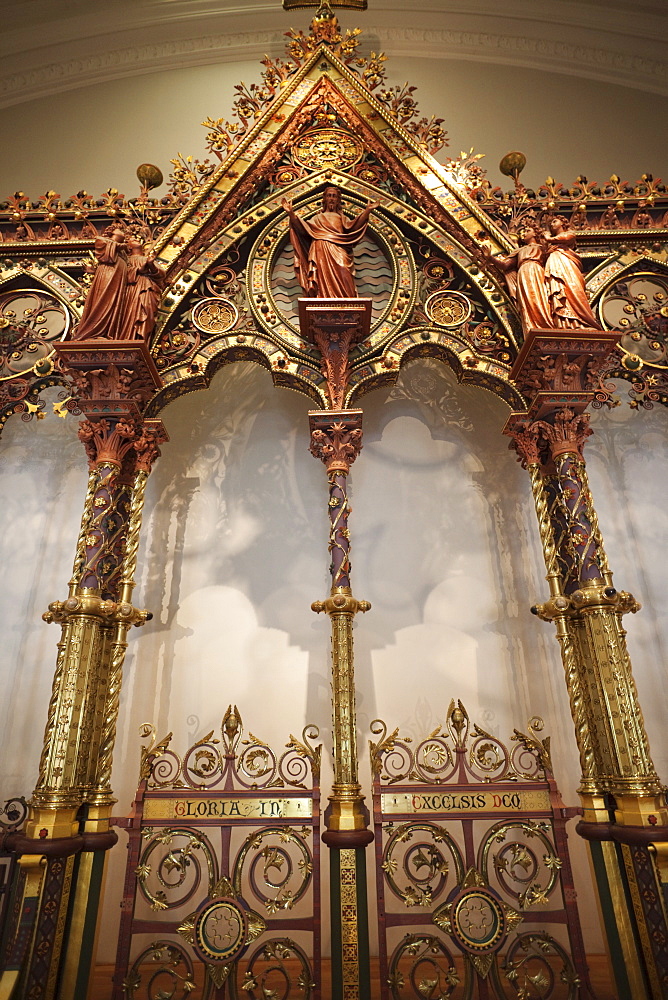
(12, 819)
(222, 882)
(474, 881)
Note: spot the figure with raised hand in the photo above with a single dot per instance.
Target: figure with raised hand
(323, 246)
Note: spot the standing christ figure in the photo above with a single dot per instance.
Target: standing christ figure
(323, 247)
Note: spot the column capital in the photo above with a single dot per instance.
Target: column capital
(525, 439)
(547, 430)
(147, 445)
(104, 374)
(566, 431)
(336, 437)
(111, 384)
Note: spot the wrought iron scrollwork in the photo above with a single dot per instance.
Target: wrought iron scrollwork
(519, 858)
(279, 969)
(164, 969)
(171, 867)
(538, 968)
(277, 865)
(458, 750)
(422, 966)
(13, 814)
(251, 762)
(427, 856)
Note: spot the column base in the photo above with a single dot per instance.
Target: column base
(347, 820)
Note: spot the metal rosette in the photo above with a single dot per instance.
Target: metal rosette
(215, 315)
(327, 148)
(220, 931)
(273, 291)
(477, 921)
(448, 309)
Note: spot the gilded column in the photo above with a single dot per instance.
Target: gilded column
(625, 818)
(68, 831)
(336, 439)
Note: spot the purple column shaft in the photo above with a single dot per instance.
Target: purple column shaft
(580, 532)
(339, 536)
(106, 534)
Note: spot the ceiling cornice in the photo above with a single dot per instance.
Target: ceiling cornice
(605, 44)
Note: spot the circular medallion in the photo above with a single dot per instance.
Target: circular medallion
(215, 315)
(220, 931)
(30, 322)
(322, 148)
(478, 922)
(448, 309)
(636, 305)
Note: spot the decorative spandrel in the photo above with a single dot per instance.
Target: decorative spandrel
(633, 299)
(638, 306)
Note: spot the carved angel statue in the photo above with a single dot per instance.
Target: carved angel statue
(544, 277)
(323, 246)
(125, 293)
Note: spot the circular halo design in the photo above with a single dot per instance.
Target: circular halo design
(221, 930)
(215, 315)
(448, 309)
(324, 148)
(478, 922)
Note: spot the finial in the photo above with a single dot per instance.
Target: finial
(513, 164)
(149, 176)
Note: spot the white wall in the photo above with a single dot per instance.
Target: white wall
(235, 549)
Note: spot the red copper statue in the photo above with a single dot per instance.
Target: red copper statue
(525, 279)
(145, 283)
(323, 247)
(545, 279)
(125, 292)
(569, 305)
(102, 311)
